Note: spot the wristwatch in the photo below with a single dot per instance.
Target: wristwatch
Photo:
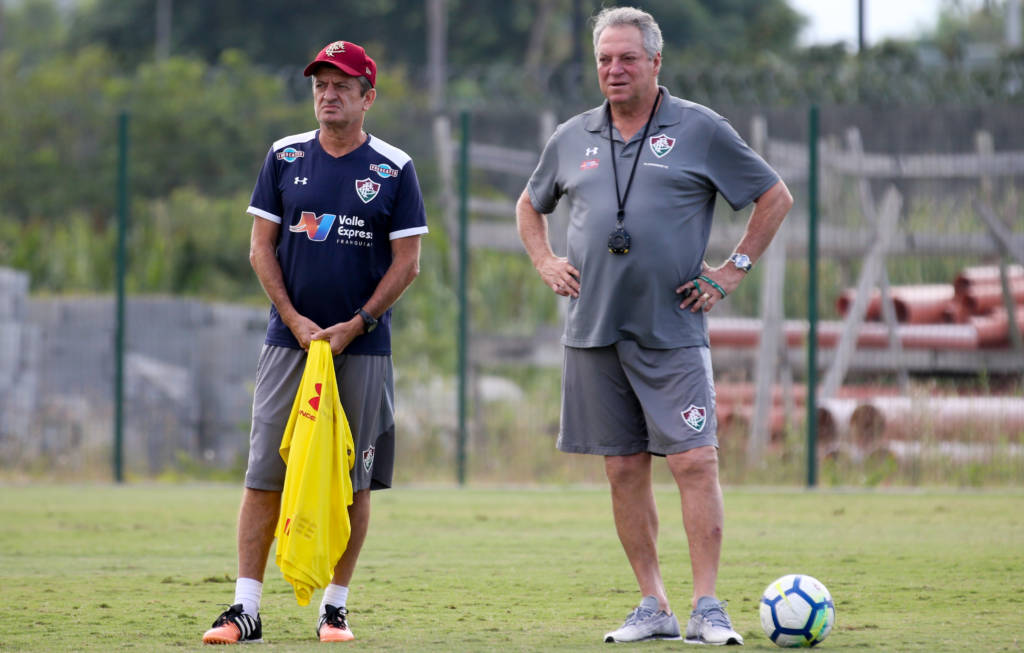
(369, 321)
(741, 261)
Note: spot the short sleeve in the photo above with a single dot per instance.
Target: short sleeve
(737, 171)
(409, 216)
(266, 199)
(544, 187)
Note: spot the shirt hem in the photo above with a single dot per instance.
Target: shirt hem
(266, 215)
(534, 202)
(749, 200)
(405, 233)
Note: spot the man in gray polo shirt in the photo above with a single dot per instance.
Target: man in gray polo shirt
(641, 174)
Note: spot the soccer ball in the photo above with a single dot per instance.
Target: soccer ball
(797, 610)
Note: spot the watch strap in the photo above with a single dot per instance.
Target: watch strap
(369, 322)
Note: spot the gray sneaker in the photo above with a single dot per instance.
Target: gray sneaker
(646, 621)
(709, 624)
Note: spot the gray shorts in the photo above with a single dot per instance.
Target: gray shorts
(367, 388)
(625, 399)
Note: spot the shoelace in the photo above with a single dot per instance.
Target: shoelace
(716, 615)
(229, 615)
(638, 614)
(335, 617)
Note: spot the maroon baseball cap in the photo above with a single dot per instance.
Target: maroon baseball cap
(347, 57)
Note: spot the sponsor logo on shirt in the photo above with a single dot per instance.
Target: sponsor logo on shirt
(290, 155)
(301, 180)
(314, 402)
(696, 417)
(589, 163)
(662, 145)
(384, 170)
(367, 189)
(352, 229)
(592, 151)
(316, 227)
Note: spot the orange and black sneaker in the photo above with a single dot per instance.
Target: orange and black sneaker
(233, 627)
(333, 626)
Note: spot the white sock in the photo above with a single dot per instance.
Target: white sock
(335, 595)
(248, 592)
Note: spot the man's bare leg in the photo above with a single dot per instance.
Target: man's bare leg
(257, 521)
(696, 474)
(636, 520)
(359, 518)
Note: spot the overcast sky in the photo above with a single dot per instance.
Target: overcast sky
(836, 20)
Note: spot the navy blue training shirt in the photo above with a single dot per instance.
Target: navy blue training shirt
(338, 217)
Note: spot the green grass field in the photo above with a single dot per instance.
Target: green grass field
(148, 567)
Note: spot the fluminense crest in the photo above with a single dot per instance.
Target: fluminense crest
(334, 48)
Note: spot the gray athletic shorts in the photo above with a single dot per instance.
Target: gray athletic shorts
(625, 399)
(367, 388)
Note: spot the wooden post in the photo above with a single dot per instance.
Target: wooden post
(773, 266)
(437, 35)
(867, 202)
(1004, 243)
(437, 25)
(164, 15)
(869, 273)
(443, 146)
(1001, 235)
(986, 148)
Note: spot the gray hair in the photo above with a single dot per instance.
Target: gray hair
(364, 84)
(619, 16)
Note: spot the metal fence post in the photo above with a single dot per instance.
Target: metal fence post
(122, 229)
(463, 344)
(812, 297)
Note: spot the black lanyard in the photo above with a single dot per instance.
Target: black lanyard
(615, 171)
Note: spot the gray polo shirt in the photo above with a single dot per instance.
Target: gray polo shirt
(691, 153)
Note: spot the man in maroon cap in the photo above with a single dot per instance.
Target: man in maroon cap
(337, 221)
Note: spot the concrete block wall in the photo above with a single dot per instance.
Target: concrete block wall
(17, 369)
(189, 372)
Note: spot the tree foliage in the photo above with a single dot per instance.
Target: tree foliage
(202, 119)
(287, 34)
(191, 123)
(960, 25)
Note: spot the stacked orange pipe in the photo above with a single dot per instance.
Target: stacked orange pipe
(977, 418)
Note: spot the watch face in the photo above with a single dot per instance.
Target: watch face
(742, 261)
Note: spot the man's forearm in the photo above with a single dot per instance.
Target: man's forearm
(268, 271)
(533, 231)
(765, 220)
(404, 268)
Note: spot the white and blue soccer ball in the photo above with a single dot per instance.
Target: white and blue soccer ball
(797, 610)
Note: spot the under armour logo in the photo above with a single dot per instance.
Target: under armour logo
(591, 151)
(301, 180)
